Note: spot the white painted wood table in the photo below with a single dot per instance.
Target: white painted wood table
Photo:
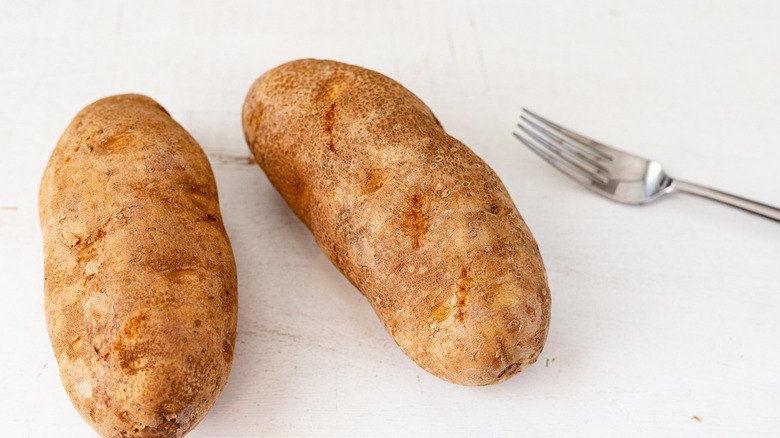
(666, 318)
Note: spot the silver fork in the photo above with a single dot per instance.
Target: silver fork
(618, 175)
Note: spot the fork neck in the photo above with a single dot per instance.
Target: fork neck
(758, 208)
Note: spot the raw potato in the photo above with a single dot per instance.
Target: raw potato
(140, 288)
(411, 216)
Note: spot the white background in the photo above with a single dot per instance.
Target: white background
(660, 313)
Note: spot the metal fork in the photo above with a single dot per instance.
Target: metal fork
(618, 175)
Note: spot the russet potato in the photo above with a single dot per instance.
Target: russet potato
(140, 280)
(411, 216)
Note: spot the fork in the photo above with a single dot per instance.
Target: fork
(618, 175)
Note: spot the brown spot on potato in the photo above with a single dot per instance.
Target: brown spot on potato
(227, 351)
(464, 286)
(509, 370)
(334, 89)
(301, 191)
(89, 249)
(74, 349)
(336, 255)
(199, 195)
(170, 407)
(130, 330)
(330, 120)
(374, 181)
(131, 361)
(70, 239)
(415, 221)
(118, 142)
(99, 234)
(137, 363)
(181, 276)
(441, 311)
(495, 209)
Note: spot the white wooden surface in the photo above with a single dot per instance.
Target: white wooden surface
(660, 314)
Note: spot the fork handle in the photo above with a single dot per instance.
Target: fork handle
(758, 208)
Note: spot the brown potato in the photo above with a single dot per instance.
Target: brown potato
(140, 288)
(411, 216)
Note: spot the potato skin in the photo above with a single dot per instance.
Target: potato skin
(140, 280)
(411, 216)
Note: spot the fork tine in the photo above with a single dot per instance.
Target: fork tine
(558, 153)
(582, 152)
(558, 161)
(601, 149)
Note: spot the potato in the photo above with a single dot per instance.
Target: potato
(140, 287)
(411, 216)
